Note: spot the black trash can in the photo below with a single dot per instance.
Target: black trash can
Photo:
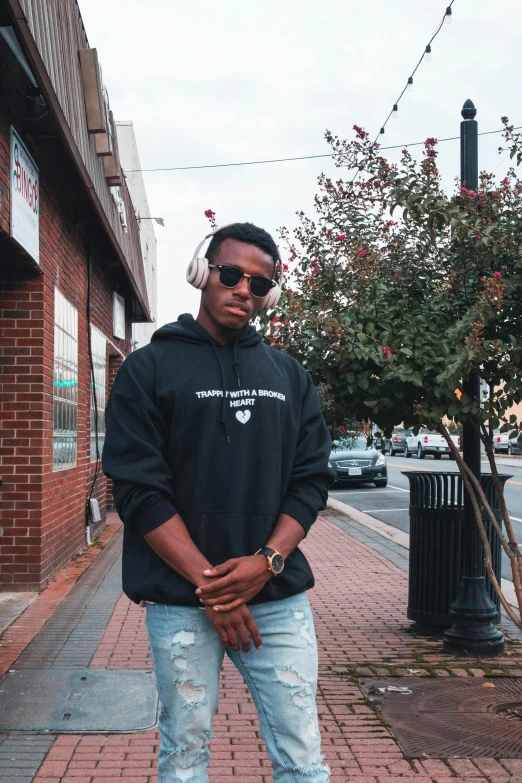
(436, 512)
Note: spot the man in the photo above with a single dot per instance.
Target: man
(217, 449)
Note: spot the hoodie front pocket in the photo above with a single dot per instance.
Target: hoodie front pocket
(223, 535)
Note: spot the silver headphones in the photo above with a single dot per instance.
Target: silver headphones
(198, 272)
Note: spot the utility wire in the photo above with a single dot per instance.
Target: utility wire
(303, 157)
(447, 15)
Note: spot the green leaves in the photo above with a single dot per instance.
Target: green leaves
(408, 302)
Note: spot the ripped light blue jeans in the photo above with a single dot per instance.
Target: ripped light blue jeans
(282, 678)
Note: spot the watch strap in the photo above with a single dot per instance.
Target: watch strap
(267, 551)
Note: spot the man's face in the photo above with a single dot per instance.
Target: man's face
(232, 308)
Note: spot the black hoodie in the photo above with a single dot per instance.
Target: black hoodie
(227, 436)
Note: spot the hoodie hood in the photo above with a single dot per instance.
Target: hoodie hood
(187, 329)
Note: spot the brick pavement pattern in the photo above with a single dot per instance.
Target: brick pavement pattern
(359, 605)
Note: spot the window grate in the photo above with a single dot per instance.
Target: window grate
(65, 383)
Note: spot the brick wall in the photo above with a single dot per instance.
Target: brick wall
(42, 511)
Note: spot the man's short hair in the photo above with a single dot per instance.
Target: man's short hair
(244, 232)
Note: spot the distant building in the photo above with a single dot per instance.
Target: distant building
(72, 283)
(130, 161)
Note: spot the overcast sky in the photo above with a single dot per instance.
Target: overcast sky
(208, 81)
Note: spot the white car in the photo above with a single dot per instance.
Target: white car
(500, 442)
(428, 442)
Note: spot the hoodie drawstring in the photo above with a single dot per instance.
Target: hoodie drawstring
(236, 365)
(223, 403)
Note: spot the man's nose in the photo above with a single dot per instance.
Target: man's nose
(243, 288)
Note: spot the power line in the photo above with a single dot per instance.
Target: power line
(448, 13)
(302, 157)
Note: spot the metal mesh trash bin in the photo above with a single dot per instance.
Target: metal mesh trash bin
(436, 519)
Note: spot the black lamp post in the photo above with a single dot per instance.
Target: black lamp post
(473, 610)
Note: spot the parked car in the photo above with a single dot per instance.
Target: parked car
(428, 442)
(500, 442)
(351, 461)
(395, 444)
(514, 446)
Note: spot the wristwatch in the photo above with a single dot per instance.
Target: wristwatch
(275, 561)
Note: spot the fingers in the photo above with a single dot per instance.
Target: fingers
(220, 570)
(232, 638)
(221, 599)
(235, 603)
(223, 635)
(217, 587)
(253, 631)
(244, 636)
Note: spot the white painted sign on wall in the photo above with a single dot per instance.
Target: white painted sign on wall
(25, 198)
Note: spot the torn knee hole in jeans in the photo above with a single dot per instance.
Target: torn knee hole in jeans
(192, 694)
(303, 627)
(184, 638)
(302, 695)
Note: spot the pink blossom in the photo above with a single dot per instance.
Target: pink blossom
(316, 269)
(391, 222)
(340, 237)
(430, 142)
(498, 274)
(285, 267)
(362, 253)
(209, 214)
(395, 276)
(478, 236)
(361, 134)
(340, 331)
(505, 181)
(314, 261)
(343, 429)
(386, 352)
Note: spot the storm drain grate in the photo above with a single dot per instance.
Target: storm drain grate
(451, 718)
(67, 701)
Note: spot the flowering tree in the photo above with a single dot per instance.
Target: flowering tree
(396, 290)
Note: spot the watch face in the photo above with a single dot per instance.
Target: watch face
(277, 564)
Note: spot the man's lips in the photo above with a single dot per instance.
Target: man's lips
(237, 308)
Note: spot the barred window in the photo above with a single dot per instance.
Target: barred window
(65, 388)
(99, 352)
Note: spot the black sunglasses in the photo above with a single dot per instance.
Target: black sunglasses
(231, 276)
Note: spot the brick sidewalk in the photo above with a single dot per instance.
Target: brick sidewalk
(359, 604)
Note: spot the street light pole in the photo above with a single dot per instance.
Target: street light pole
(473, 610)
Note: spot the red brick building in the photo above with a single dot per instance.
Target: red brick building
(71, 284)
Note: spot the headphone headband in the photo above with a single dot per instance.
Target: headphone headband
(198, 271)
(216, 231)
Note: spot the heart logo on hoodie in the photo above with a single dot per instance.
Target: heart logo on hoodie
(243, 416)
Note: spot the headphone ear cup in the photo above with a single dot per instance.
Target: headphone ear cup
(198, 272)
(273, 298)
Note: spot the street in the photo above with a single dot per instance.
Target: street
(390, 505)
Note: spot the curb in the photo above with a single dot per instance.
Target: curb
(401, 538)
